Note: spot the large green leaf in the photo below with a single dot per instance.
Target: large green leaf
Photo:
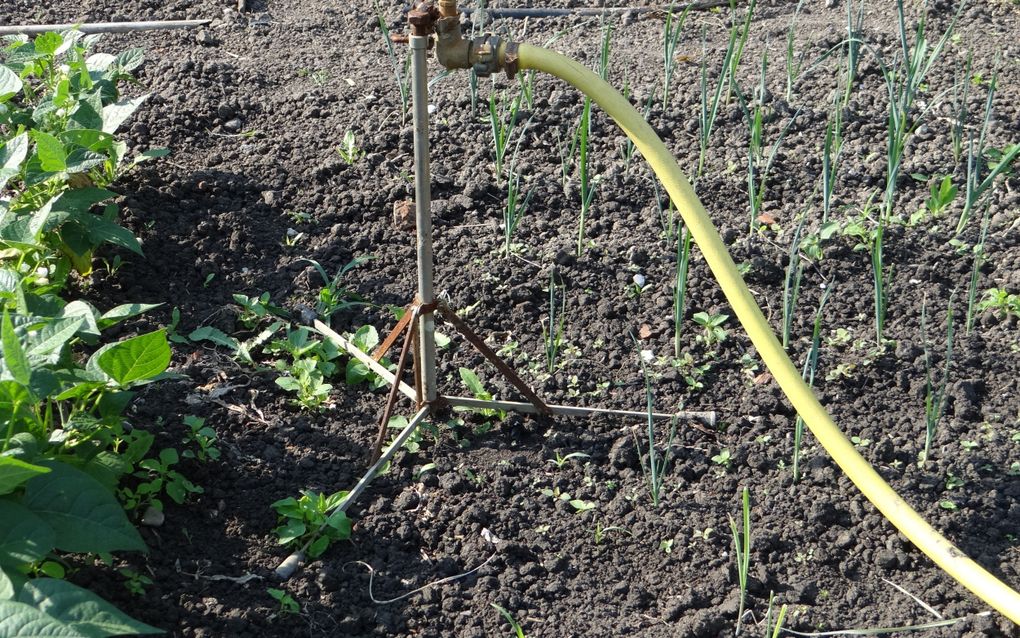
(52, 156)
(80, 609)
(10, 84)
(84, 514)
(14, 472)
(54, 335)
(11, 157)
(18, 620)
(24, 537)
(15, 359)
(117, 113)
(134, 359)
(48, 43)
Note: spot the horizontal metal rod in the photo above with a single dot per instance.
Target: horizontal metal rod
(102, 27)
(363, 357)
(384, 459)
(588, 11)
(708, 418)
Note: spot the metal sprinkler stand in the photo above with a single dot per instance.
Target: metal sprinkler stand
(417, 325)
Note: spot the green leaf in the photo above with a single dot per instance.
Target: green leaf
(12, 155)
(48, 43)
(6, 586)
(9, 281)
(137, 358)
(81, 160)
(54, 335)
(117, 113)
(215, 335)
(125, 311)
(10, 84)
(52, 156)
(15, 358)
(80, 609)
(18, 620)
(24, 537)
(14, 472)
(101, 230)
(85, 516)
(130, 59)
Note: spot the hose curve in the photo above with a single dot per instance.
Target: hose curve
(946, 555)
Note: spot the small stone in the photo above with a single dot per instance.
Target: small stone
(205, 38)
(886, 559)
(270, 198)
(153, 517)
(233, 126)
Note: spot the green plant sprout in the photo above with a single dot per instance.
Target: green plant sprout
(791, 282)
(312, 522)
(286, 602)
(712, 333)
(255, 309)
(653, 467)
(502, 121)
(723, 458)
(514, 210)
(1003, 303)
(832, 148)
(941, 195)
(158, 478)
(333, 296)
(672, 29)
(401, 71)
(808, 374)
(984, 165)
(560, 461)
(203, 437)
(348, 149)
(793, 63)
(683, 260)
(854, 40)
(601, 533)
(518, 630)
(742, 551)
(552, 330)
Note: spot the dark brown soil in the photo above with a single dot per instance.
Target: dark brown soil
(254, 108)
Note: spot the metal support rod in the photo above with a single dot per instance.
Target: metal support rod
(482, 347)
(392, 399)
(707, 418)
(371, 363)
(588, 11)
(384, 459)
(102, 27)
(423, 213)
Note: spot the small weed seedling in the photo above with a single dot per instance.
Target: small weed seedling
(203, 437)
(723, 458)
(348, 148)
(135, 582)
(311, 523)
(333, 296)
(518, 630)
(158, 478)
(602, 533)
(255, 309)
(941, 195)
(560, 461)
(286, 602)
(1000, 301)
(711, 325)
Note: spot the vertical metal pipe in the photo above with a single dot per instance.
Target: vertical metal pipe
(423, 214)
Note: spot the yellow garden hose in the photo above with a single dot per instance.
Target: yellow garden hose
(924, 536)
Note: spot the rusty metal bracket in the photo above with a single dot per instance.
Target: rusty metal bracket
(451, 317)
(409, 331)
(398, 329)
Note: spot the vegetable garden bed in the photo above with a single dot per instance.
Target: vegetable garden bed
(290, 158)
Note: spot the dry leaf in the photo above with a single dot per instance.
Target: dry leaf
(644, 331)
(765, 218)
